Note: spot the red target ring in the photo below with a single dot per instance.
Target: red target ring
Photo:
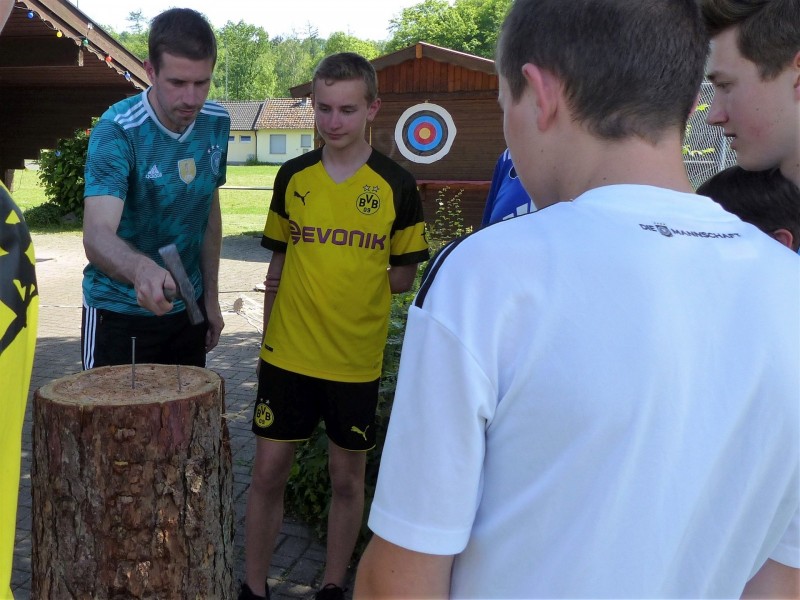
(424, 133)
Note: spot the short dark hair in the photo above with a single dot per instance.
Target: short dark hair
(181, 32)
(769, 30)
(627, 67)
(345, 66)
(765, 199)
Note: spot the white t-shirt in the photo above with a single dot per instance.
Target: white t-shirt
(601, 399)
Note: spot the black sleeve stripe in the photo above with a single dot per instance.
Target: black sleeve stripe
(409, 259)
(433, 268)
(274, 245)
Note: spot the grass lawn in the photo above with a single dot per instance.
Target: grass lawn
(27, 191)
(243, 211)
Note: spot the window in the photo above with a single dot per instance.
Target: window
(277, 143)
(246, 139)
(231, 138)
(305, 140)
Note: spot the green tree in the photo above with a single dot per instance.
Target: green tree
(432, 21)
(343, 42)
(468, 25)
(295, 60)
(488, 16)
(135, 42)
(243, 69)
(137, 20)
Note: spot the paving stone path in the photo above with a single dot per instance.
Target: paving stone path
(298, 560)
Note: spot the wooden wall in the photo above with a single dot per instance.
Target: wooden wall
(471, 99)
(425, 75)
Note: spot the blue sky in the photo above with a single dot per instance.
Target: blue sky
(366, 19)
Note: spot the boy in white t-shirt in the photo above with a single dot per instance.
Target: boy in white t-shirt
(625, 421)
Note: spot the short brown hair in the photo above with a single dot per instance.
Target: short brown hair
(765, 199)
(769, 30)
(628, 67)
(345, 66)
(181, 32)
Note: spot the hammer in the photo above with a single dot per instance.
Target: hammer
(173, 264)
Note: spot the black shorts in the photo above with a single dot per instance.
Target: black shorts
(289, 406)
(167, 340)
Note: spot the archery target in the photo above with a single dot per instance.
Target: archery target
(424, 133)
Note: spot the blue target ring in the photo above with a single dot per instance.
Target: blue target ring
(424, 133)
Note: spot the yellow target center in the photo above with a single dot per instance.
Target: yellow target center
(425, 133)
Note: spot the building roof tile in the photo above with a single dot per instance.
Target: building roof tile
(243, 114)
(286, 113)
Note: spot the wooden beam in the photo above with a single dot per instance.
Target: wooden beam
(38, 52)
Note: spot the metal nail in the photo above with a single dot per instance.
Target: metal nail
(133, 363)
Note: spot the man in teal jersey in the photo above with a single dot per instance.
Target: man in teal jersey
(153, 169)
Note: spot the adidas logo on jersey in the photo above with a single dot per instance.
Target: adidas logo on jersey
(153, 173)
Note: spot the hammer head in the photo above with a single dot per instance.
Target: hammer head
(173, 264)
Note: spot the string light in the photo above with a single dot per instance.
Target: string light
(81, 41)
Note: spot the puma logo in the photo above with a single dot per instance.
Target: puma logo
(303, 197)
(363, 434)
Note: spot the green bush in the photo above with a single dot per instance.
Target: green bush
(448, 222)
(48, 216)
(61, 173)
(308, 492)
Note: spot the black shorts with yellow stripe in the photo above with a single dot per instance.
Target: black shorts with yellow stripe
(289, 406)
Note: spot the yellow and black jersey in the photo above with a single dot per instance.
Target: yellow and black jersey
(331, 313)
(19, 310)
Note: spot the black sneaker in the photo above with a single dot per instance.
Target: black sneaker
(245, 593)
(330, 592)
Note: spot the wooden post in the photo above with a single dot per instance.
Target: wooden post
(132, 487)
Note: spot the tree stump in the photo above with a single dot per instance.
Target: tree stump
(132, 488)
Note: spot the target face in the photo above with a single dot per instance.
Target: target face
(424, 133)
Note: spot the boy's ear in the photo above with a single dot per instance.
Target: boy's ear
(796, 67)
(372, 109)
(785, 237)
(546, 91)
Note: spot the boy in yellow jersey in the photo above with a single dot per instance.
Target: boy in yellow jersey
(346, 230)
(19, 311)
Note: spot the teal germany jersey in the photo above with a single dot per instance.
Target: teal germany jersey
(166, 181)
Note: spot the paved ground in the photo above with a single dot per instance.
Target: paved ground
(298, 560)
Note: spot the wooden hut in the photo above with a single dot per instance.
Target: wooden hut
(57, 70)
(439, 118)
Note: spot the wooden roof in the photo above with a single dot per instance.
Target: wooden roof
(453, 63)
(53, 84)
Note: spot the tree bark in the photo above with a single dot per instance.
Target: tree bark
(132, 487)
(8, 180)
